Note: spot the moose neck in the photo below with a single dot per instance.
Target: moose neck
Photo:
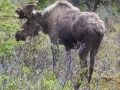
(44, 26)
(43, 21)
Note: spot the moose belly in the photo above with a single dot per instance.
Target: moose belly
(68, 40)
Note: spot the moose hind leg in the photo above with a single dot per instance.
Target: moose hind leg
(93, 54)
(83, 58)
(84, 54)
(89, 42)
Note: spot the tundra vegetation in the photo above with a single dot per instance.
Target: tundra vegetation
(29, 66)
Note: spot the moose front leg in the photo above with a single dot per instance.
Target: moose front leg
(55, 54)
(68, 66)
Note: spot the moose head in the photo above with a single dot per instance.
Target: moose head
(30, 27)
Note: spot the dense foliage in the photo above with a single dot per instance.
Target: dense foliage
(8, 26)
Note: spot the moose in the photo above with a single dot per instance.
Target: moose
(65, 25)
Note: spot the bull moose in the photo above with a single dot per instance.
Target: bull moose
(65, 25)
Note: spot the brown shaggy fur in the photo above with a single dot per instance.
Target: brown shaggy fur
(66, 25)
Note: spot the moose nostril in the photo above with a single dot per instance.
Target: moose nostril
(18, 35)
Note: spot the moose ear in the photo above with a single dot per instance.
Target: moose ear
(20, 13)
(27, 10)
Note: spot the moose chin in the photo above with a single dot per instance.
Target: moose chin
(65, 25)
